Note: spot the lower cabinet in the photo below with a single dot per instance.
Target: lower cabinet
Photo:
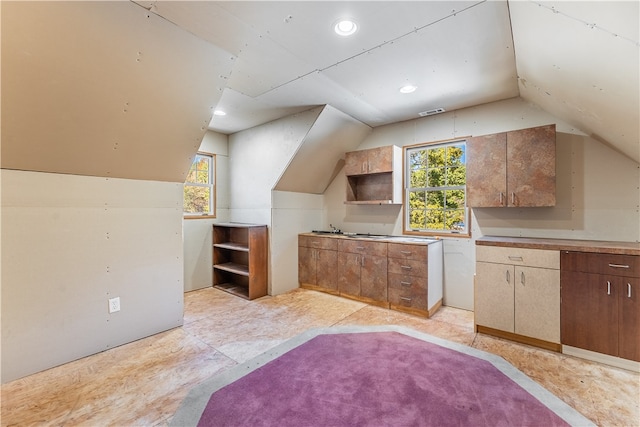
(362, 270)
(600, 304)
(317, 262)
(517, 294)
(408, 278)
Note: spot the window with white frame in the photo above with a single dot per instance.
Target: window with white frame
(199, 188)
(435, 188)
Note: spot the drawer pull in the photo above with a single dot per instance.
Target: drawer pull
(406, 252)
(508, 277)
(406, 267)
(360, 248)
(628, 290)
(618, 266)
(405, 283)
(501, 198)
(608, 287)
(513, 198)
(405, 299)
(515, 258)
(522, 277)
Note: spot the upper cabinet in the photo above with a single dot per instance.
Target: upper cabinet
(374, 176)
(513, 169)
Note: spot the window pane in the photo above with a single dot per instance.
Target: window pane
(435, 219)
(417, 218)
(203, 163)
(436, 157)
(435, 199)
(456, 176)
(418, 159)
(454, 198)
(455, 155)
(196, 199)
(191, 175)
(436, 177)
(455, 220)
(418, 178)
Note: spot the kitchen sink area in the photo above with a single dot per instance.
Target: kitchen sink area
(386, 237)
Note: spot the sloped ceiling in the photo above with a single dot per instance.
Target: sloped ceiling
(576, 59)
(127, 89)
(104, 89)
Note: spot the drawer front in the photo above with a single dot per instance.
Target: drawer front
(398, 250)
(404, 298)
(597, 263)
(409, 284)
(407, 267)
(362, 247)
(318, 242)
(519, 256)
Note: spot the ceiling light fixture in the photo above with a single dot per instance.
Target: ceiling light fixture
(408, 89)
(219, 113)
(345, 27)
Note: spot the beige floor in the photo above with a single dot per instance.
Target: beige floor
(143, 383)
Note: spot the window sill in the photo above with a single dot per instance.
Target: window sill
(199, 217)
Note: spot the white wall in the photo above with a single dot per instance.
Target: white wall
(69, 243)
(597, 189)
(198, 243)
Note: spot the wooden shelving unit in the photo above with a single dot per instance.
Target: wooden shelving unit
(240, 255)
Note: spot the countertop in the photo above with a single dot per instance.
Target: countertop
(414, 240)
(600, 246)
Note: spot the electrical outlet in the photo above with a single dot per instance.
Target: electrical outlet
(114, 304)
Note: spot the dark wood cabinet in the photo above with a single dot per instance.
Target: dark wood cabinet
(240, 256)
(600, 310)
(362, 270)
(374, 176)
(512, 169)
(408, 278)
(318, 263)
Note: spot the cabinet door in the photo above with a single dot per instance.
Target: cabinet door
(531, 167)
(537, 303)
(629, 318)
(306, 265)
(487, 170)
(349, 273)
(373, 277)
(355, 163)
(589, 312)
(380, 160)
(494, 306)
(327, 269)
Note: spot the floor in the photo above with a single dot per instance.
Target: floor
(143, 383)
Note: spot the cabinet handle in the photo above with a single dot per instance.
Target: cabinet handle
(364, 167)
(515, 258)
(362, 262)
(522, 277)
(406, 252)
(405, 283)
(501, 198)
(513, 198)
(405, 299)
(608, 287)
(406, 267)
(360, 248)
(508, 277)
(628, 290)
(618, 266)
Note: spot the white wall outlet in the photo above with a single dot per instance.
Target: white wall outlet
(114, 304)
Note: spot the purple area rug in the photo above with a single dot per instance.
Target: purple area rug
(375, 379)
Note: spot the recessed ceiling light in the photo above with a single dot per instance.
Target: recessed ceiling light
(219, 113)
(345, 27)
(408, 89)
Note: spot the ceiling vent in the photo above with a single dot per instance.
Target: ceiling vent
(431, 112)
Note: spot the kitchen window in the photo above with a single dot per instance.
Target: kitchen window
(199, 188)
(435, 189)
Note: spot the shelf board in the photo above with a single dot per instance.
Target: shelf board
(232, 267)
(235, 289)
(232, 246)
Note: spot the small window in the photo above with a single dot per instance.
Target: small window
(199, 188)
(435, 189)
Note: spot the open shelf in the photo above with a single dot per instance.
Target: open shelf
(240, 259)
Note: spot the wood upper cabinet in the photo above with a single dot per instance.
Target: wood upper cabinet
(374, 160)
(374, 176)
(600, 304)
(513, 169)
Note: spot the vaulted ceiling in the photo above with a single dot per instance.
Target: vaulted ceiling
(128, 89)
(577, 60)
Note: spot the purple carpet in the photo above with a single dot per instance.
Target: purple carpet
(375, 379)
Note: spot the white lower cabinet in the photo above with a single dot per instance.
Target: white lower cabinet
(518, 292)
